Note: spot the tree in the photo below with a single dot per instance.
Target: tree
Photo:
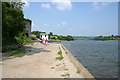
(50, 33)
(13, 21)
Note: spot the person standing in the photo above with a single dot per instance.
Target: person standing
(46, 41)
(43, 41)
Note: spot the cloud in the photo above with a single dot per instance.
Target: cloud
(33, 24)
(63, 23)
(46, 25)
(105, 3)
(45, 5)
(26, 4)
(71, 29)
(95, 5)
(63, 4)
(99, 5)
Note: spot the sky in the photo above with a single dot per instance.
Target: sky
(73, 18)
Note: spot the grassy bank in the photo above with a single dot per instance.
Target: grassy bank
(53, 40)
(18, 52)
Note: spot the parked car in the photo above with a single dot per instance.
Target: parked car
(36, 39)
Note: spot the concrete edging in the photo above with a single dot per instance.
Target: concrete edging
(83, 71)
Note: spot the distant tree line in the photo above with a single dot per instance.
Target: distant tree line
(37, 33)
(55, 37)
(68, 37)
(112, 37)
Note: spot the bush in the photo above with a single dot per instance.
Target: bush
(23, 39)
(60, 53)
(60, 58)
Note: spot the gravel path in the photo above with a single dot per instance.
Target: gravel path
(40, 62)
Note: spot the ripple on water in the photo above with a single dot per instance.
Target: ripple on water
(99, 57)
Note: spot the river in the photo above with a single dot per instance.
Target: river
(100, 58)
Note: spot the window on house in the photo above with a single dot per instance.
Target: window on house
(41, 36)
(45, 35)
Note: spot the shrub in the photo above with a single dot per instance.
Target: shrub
(23, 39)
(59, 58)
(78, 71)
(60, 53)
(17, 53)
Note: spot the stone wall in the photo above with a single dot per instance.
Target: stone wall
(28, 28)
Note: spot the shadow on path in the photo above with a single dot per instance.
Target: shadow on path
(29, 51)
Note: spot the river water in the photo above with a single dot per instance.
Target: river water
(100, 58)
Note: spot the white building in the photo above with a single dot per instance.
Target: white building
(43, 36)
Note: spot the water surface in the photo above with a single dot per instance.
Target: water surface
(99, 57)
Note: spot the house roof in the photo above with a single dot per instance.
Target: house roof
(43, 34)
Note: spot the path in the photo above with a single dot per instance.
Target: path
(40, 63)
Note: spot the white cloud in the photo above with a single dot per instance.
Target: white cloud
(63, 4)
(105, 3)
(26, 4)
(98, 6)
(45, 5)
(46, 25)
(63, 23)
(33, 24)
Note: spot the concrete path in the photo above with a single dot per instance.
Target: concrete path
(40, 63)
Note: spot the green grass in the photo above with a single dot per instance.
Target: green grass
(78, 71)
(28, 41)
(17, 53)
(52, 36)
(63, 47)
(53, 40)
(66, 52)
(59, 58)
(60, 52)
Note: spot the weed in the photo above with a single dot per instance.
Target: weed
(59, 58)
(63, 47)
(78, 71)
(17, 53)
(60, 53)
(66, 52)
